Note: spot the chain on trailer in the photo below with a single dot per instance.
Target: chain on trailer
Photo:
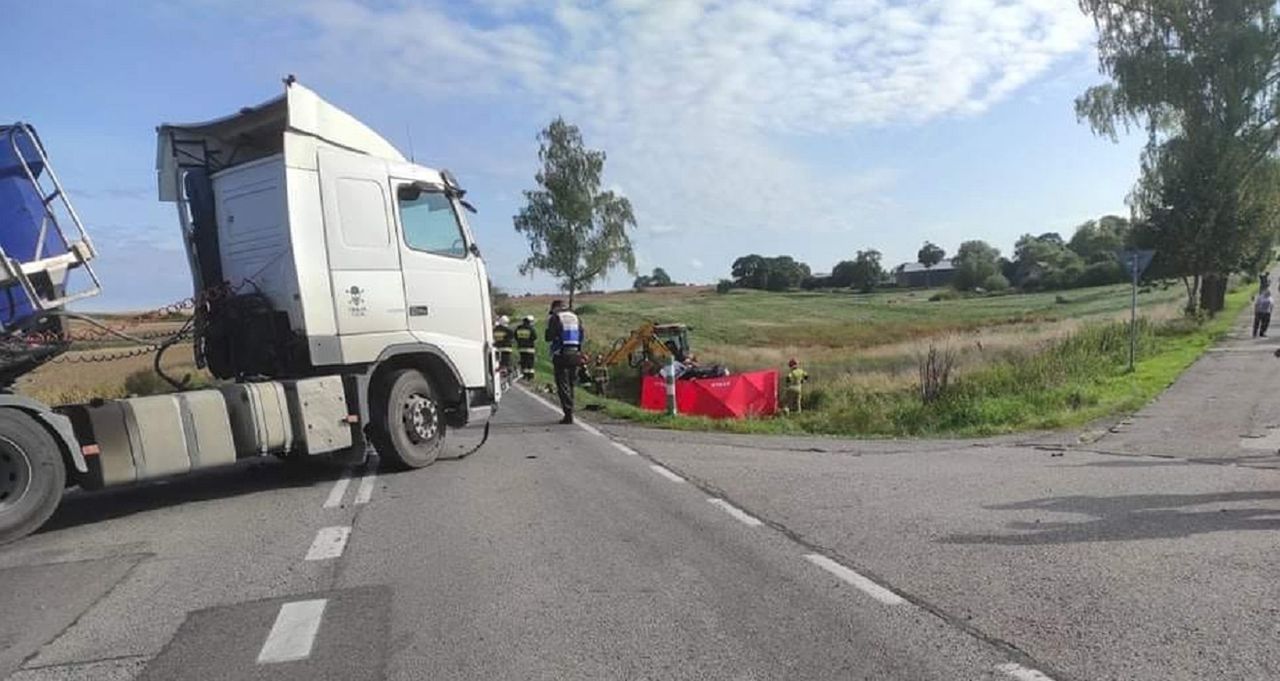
(150, 342)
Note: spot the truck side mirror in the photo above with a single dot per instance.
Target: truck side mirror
(475, 249)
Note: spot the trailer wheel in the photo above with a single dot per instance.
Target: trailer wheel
(32, 475)
(408, 426)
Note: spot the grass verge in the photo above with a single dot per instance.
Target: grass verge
(1067, 383)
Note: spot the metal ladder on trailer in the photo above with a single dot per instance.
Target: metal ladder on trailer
(42, 277)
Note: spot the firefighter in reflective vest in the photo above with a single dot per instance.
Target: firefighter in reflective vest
(526, 343)
(502, 341)
(566, 336)
(796, 378)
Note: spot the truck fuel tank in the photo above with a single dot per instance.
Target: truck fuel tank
(143, 438)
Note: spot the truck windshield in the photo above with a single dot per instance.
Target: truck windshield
(429, 222)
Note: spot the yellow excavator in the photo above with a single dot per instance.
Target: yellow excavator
(647, 348)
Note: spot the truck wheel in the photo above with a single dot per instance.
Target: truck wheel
(409, 427)
(32, 475)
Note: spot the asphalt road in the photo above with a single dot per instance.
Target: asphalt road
(566, 552)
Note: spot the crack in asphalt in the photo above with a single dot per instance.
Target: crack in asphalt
(141, 558)
(1237, 462)
(1007, 648)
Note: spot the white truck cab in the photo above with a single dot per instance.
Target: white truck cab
(317, 248)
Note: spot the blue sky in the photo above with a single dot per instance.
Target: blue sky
(784, 127)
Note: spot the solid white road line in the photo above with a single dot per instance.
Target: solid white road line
(547, 403)
(365, 493)
(862, 583)
(666, 473)
(294, 632)
(540, 399)
(624, 449)
(736, 512)
(330, 542)
(339, 491)
(1021, 673)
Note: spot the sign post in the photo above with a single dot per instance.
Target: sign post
(1136, 262)
(671, 386)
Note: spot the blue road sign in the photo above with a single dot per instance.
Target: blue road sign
(1135, 262)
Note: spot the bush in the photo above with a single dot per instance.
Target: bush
(814, 398)
(724, 286)
(935, 373)
(945, 294)
(1101, 274)
(995, 282)
(504, 307)
(145, 382)
(584, 310)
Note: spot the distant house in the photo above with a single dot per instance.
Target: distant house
(914, 275)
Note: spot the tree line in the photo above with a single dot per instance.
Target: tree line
(1039, 262)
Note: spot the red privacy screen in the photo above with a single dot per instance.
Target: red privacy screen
(728, 397)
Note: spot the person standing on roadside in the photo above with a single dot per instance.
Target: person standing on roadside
(566, 336)
(1262, 313)
(796, 378)
(526, 343)
(502, 341)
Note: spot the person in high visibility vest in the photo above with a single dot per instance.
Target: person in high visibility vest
(566, 336)
(502, 338)
(526, 344)
(796, 378)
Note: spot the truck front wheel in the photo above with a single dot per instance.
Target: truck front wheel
(32, 475)
(408, 426)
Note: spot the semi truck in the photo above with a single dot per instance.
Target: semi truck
(340, 299)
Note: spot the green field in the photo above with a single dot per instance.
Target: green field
(1016, 355)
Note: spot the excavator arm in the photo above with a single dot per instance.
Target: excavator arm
(642, 339)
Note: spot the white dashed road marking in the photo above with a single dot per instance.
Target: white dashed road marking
(666, 473)
(624, 449)
(736, 512)
(1020, 672)
(365, 492)
(294, 632)
(330, 542)
(339, 491)
(862, 583)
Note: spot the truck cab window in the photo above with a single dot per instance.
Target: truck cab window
(429, 222)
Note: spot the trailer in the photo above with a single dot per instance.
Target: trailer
(338, 294)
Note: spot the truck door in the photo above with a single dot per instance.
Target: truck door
(444, 298)
(364, 258)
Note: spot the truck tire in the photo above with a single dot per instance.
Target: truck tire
(408, 425)
(32, 475)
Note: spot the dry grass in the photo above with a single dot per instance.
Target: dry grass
(68, 382)
(74, 377)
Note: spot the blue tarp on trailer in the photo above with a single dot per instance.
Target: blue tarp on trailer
(22, 213)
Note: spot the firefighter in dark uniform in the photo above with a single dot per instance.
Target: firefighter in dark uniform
(566, 336)
(526, 344)
(502, 338)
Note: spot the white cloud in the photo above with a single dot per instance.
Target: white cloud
(700, 102)
(695, 263)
